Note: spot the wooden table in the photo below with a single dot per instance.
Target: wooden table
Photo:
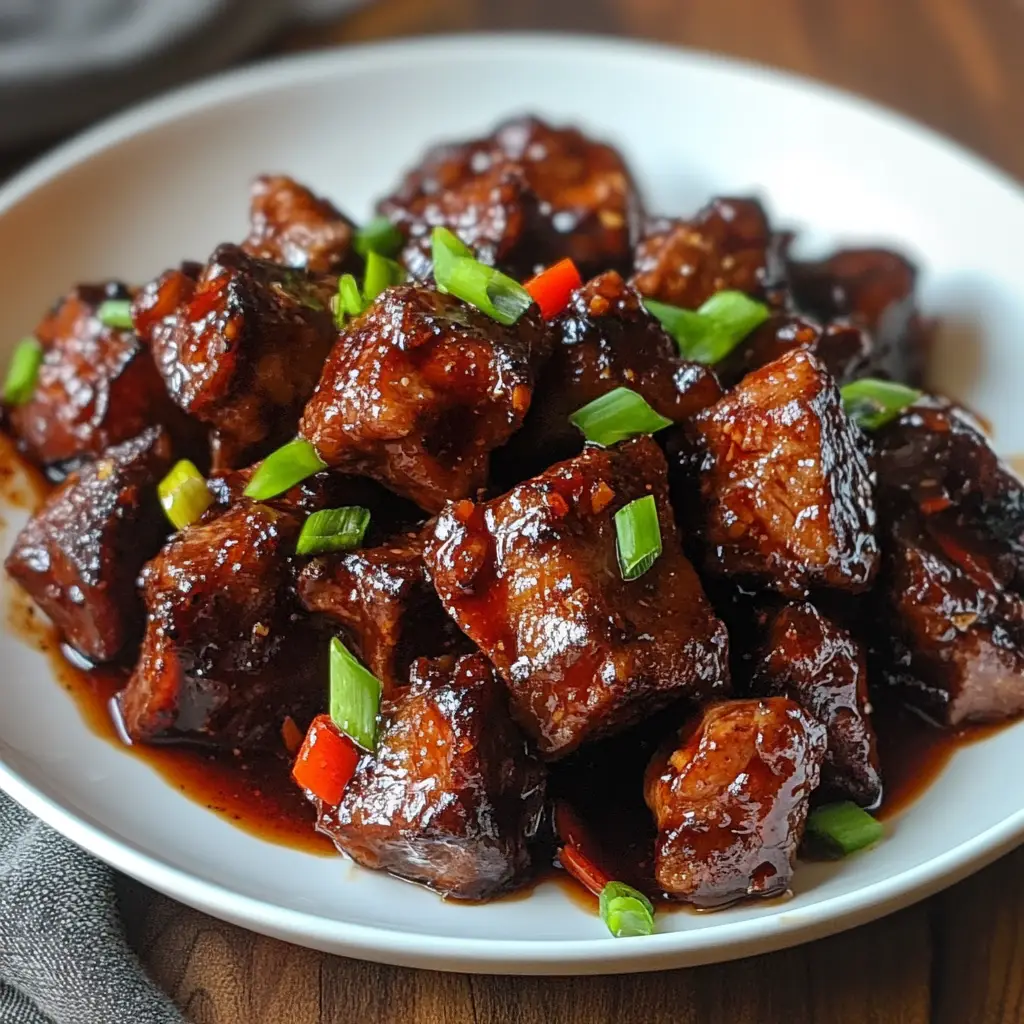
(956, 959)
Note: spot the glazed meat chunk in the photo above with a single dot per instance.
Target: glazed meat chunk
(452, 797)
(97, 385)
(819, 665)
(532, 578)
(241, 348)
(290, 225)
(523, 197)
(79, 555)
(731, 800)
(875, 289)
(419, 390)
(728, 245)
(227, 652)
(387, 604)
(785, 488)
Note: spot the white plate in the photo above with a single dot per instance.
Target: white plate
(169, 180)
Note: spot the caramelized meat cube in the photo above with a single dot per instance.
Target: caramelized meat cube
(728, 245)
(79, 555)
(785, 488)
(452, 798)
(97, 386)
(821, 667)
(385, 600)
(532, 578)
(292, 226)
(241, 348)
(874, 288)
(419, 390)
(227, 652)
(524, 197)
(730, 801)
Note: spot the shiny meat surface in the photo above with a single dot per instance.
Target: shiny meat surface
(731, 800)
(290, 225)
(532, 578)
(785, 488)
(728, 245)
(97, 386)
(79, 555)
(387, 604)
(819, 665)
(452, 798)
(241, 348)
(418, 391)
(524, 197)
(227, 652)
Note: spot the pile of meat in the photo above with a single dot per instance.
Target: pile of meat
(805, 565)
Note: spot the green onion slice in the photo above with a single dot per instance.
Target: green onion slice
(333, 529)
(355, 697)
(625, 910)
(445, 249)
(844, 827)
(284, 468)
(620, 414)
(184, 494)
(115, 313)
(381, 273)
(349, 300)
(638, 536)
(713, 331)
(379, 236)
(23, 371)
(872, 403)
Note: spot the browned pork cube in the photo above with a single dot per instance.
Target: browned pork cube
(728, 245)
(227, 652)
(525, 196)
(452, 797)
(533, 579)
(785, 487)
(731, 800)
(821, 667)
(290, 225)
(97, 385)
(385, 600)
(79, 555)
(419, 390)
(241, 348)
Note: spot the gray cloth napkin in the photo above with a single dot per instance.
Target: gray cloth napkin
(63, 955)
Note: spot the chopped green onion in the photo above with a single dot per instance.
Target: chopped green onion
(284, 468)
(333, 529)
(380, 236)
(381, 273)
(872, 403)
(355, 697)
(115, 313)
(638, 536)
(455, 271)
(844, 827)
(349, 300)
(713, 331)
(625, 910)
(616, 416)
(184, 494)
(23, 371)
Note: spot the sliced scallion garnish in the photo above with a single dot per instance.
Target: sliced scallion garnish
(381, 273)
(380, 236)
(349, 300)
(844, 827)
(333, 529)
(115, 313)
(638, 536)
(872, 403)
(355, 697)
(710, 333)
(625, 910)
(23, 371)
(184, 494)
(445, 248)
(618, 415)
(284, 468)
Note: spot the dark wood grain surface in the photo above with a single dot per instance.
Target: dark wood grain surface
(957, 959)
